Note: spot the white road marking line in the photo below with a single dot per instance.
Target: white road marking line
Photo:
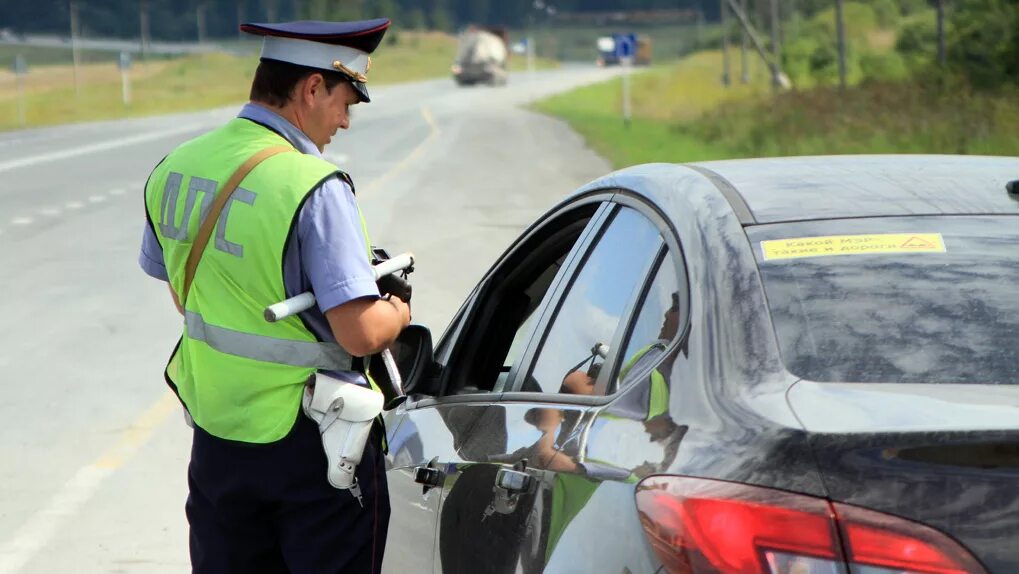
(338, 158)
(37, 532)
(50, 211)
(22, 221)
(117, 191)
(74, 205)
(96, 147)
(96, 198)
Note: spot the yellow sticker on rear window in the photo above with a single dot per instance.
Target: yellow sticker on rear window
(853, 245)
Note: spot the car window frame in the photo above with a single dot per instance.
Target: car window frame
(445, 353)
(537, 343)
(670, 244)
(621, 343)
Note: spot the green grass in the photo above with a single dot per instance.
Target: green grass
(191, 83)
(185, 84)
(682, 113)
(869, 118)
(664, 99)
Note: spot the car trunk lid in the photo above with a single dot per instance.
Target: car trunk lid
(942, 455)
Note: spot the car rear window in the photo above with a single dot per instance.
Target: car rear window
(900, 300)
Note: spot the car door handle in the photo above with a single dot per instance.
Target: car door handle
(512, 480)
(428, 476)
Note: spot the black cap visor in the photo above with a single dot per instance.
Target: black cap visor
(362, 91)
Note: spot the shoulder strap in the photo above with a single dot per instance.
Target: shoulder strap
(205, 231)
(346, 179)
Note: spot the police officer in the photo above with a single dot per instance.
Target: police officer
(286, 222)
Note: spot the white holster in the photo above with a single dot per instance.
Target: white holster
(344, 413)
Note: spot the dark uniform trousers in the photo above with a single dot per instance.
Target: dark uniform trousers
(270, 509)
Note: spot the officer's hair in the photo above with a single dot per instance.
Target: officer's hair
(275, 81)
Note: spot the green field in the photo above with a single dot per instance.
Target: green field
(682, 113)
(665, 98)
(897, 99)
(160, 86)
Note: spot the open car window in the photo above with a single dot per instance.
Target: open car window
(534, 294)
(497, 329)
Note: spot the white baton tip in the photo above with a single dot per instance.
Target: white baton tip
(398, 263)
(289, 307)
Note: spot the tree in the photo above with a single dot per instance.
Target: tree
(478, 11)
(982, 41)
(271, 8)
(416, 19)
(383, 9)
(440, 17)
(918, 41)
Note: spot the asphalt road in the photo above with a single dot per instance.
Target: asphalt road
(93, 449)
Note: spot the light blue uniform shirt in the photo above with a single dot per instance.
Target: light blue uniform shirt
(327, 255)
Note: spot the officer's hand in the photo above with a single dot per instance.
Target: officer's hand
(403, 308)
(396, 286)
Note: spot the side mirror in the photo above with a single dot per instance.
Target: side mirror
(414, 355)
(412, 352)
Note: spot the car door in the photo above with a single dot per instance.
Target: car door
(520, 477)
(445, 419)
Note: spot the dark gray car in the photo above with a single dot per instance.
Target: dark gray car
(783, 366)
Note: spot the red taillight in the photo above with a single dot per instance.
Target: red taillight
(699, 526)
(896, 544)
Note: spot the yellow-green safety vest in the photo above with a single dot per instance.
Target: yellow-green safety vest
(239, 376)
(658, 396)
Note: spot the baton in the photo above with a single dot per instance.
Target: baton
(305, 301)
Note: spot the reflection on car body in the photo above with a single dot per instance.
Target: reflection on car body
(677, 370)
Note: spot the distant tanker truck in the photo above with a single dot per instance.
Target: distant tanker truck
(481, 57)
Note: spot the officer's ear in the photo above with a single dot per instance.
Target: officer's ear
(310, 86)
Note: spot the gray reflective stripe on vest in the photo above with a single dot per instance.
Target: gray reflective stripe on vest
(326, 356)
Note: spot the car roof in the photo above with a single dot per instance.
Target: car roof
(837, 187)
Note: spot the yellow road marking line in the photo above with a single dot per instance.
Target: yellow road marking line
(433, 133)
(139, 432)
(38, 530)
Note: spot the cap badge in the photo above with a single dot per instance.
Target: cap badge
(340, 67)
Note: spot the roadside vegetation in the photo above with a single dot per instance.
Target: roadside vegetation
(898, 98)
(160, 86)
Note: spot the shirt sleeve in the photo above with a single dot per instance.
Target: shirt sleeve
(334, 254)
(151, 256)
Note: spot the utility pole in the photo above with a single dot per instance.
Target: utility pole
(840, 31)
(270, 9)
(942, 55)
(776, 22)
(744, 61)
(20, 69)
(240, 18)
(724, 6)
(200, 17)
(75, 53)
(699, 40)
(143, 16)
(779, 79)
